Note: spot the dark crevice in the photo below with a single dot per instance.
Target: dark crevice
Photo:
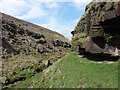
(100, 41)
(111, 26)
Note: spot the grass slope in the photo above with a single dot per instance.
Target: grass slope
(74, 72)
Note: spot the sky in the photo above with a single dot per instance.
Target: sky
(57, 15)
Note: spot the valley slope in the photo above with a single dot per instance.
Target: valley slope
(28, 49)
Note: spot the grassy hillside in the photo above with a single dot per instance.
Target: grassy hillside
(74, 71)
(28, 49)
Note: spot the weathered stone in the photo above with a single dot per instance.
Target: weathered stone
(110, 14)
(41, 50)
(108, 6)
(67, 45)
(117, 9)
(3, 79)
(49, 45)
(41, 41)
(47, 62)
(58, 43)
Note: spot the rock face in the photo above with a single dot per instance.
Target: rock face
(101, 22)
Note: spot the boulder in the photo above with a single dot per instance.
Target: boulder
(3, 79)
(47, 62)
(41, 41)
(57, 42)
(67, 45)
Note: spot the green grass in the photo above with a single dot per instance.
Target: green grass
(74, 72)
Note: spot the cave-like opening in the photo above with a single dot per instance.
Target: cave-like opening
(111, 27)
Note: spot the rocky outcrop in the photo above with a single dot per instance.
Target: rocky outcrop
(101, 19)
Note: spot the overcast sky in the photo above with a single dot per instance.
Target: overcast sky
(57, 15)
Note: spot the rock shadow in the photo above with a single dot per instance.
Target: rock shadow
(100, 57)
